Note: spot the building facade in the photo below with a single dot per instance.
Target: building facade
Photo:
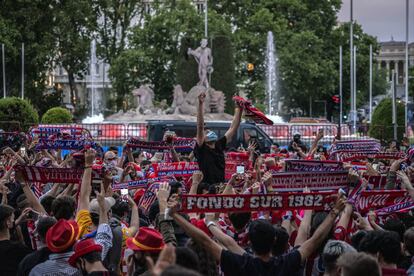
(392, 57)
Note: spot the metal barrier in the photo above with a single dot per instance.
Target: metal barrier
(283, 133)
(113, 134)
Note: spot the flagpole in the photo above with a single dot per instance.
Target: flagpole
(4, 70)
(351, 71)
(406, 65)
(370, 83)
(22, 70)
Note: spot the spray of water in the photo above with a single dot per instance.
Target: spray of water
(272, 80)
(271, 76)
(92, 75)
(95, 97)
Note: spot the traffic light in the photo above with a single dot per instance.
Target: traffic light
(250, 67)
(336, 100)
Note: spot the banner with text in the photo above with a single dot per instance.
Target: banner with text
(256, 202)
(54, 175)
(351, 156)
(376, 199)
(294, 165)
(297, 181)
(176, 169)
(179, 144)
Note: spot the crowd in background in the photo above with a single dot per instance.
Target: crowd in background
(87, 228)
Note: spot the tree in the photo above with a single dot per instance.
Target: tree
(223, 77)
(114, 24)
(17, 110)
(57, 115)
(187, 75)
(362, 42)
(29, 22)
(307, 40)
(381, 126)
(73, 24)
(156, 44)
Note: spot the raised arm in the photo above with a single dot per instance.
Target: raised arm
(345, 216)
(304, 228)
(315, 142)
(30, 196)
(200, 119)
(86, 188)
(134, 223)
(322, 231)
(234, 124)
(196, 178)
(224, 239)
(406, 183)
(196, 234)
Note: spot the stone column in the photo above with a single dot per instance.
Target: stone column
(388, 69)
(396, 70)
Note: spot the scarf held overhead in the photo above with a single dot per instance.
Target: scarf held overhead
(252, 112)
(293, 165)
(297, 181)
(54, 175)
(179, 144)
(256, 202)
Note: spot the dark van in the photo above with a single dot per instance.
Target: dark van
(246, 131)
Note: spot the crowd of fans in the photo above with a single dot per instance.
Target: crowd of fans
(89, 229)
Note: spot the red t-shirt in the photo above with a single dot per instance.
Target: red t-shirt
(393, 272)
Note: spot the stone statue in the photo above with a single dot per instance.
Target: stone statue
(179, 97)
(205, 62)
(217, 101)
(145, 98)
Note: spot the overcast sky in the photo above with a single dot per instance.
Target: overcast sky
(381, 18)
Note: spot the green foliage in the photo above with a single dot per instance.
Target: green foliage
(73, 31)
(29, 22)
(187, 67)
(115, 21)
(223, 77)
(57, 115)
(155, 48)
(16, 109)
(381, 126)
(53, 97)
(362, 42)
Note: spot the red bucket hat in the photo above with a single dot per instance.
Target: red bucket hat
(62, 235)
(147, 240)
(83, 247)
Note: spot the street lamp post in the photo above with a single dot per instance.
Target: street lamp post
(351, 63)
(370, 83)
(4, 70)
(406, 66)
(394, 102)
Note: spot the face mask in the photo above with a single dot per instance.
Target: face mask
(112, 163)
